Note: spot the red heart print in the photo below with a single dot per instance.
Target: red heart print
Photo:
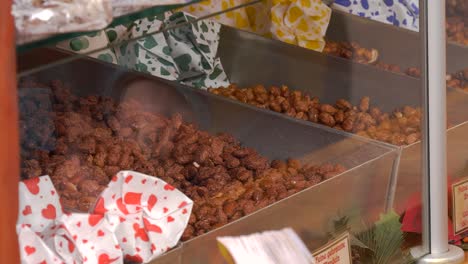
(43, 262)
(75, 237)
(71, 246)
(170, 219)
(165, 210)
(150, 227)
(184, 211)
(49, 212)
(29, 250)
(105, 259)
(85, 241)
(143, 181)
(128, 178)
(140, 232)
(27, 210)
(138, 249)
(121, 206)
(153, 248)
(26, 225)
(100, 233)
(52, 192)
(114, 179)
(117, 247)
(78, 224)
(32, 185)
(132, 198)
(121, 219)
(95, 219)
(124, 239)
(182, 204)
(168, 187)
(136, 258)
(99, 208)
(113, 197)
(152, 200)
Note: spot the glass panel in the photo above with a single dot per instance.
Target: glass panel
(122, 14)
(105, 44)
(457, 33)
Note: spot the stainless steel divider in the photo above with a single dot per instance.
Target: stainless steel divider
(309, 211)
(399, 46)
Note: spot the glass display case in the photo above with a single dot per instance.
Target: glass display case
(258, 115)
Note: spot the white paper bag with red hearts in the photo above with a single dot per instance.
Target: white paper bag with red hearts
(137, 218)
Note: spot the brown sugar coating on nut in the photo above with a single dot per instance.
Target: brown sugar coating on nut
(456, 7)
(457, 22)
(94, 138)
(399, 128)
(458, 80)
(352, 51)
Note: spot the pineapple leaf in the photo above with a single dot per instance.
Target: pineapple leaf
(385, 239)
(388, 237)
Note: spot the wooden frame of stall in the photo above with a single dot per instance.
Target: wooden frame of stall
(9, 138)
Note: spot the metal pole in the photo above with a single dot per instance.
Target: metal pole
(435, 231)
(435, 145)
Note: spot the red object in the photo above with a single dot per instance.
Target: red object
(412, 220)
(9, 138)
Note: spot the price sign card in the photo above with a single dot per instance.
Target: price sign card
(269, 247)
(460, 206)
(337, 251)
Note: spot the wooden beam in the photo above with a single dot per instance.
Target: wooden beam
(9, 139)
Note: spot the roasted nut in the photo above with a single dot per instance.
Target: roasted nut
(96, 138)
(364, 104)
(343, 104)
(363, 119)
(326, 108)
(326, 119)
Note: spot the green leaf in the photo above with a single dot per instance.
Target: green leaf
(164, 72)
(204, 27)
(160, 16)
(216, 72)
(183, 61)
(150, 42)
(136, 50)
(165, 62)
(78, 44)
(105, 57)
(385, 240)
(176, 16)
(111, 35)
(141, 67)
(204, 48)
(205, 64)
(167, 50)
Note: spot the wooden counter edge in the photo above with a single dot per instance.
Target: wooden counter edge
(9, 138)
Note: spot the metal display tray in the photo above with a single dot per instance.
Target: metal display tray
(309, 212)
(263, 61)
(396, 45)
